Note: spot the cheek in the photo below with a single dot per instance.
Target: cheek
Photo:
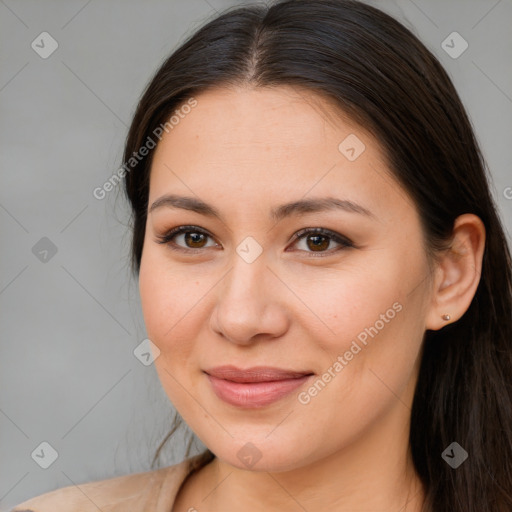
(366, 314)
(169, 298)
(338, 304)
(374, 336)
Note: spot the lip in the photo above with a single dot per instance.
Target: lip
(254, 387)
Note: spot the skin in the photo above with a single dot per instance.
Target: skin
(246, 151)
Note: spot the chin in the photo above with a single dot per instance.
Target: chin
(263, 456)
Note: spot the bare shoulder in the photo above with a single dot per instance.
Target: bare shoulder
(113, 494)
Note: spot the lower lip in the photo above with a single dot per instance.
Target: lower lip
(254, 394)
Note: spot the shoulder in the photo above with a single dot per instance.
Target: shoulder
(156, 489)
(91, 496)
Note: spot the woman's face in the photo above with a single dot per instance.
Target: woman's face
(345, 309)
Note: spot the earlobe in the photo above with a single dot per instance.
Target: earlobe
(458, 272)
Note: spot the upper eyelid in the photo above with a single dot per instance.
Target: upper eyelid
(336, 237)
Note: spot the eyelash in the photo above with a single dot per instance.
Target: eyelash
(343, 241)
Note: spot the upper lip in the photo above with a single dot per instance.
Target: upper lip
(255, 373)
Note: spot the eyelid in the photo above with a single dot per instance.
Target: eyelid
(343, 241)
(178, 230)
(333, 235)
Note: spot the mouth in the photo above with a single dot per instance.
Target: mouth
(254, 387)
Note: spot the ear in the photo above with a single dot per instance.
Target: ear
(458, 272)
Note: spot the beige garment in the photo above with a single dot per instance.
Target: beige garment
(151, 491)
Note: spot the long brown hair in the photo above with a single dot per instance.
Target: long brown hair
(379, 74)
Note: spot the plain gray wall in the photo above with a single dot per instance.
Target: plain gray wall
(69, 324)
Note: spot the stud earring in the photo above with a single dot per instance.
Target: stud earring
(446, 317)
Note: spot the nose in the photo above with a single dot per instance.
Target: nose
(250, 303)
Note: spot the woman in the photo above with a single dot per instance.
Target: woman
(323, 275)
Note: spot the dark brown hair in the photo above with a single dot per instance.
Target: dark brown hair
(380, 75)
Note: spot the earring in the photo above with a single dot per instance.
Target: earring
(446, 317)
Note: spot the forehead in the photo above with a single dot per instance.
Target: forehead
(261, 130)
(270, 116)
(248, 147)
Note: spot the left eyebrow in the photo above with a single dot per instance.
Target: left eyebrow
(300, 207)
(305, 206)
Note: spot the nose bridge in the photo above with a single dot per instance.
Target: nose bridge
(246, 301)
(244, 287)
(249, 272)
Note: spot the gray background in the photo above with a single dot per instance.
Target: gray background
(69, 325)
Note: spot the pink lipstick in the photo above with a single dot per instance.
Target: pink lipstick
(254, 387)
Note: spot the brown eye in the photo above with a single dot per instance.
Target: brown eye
(185, 238)
(194, 240)
(318, 240)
